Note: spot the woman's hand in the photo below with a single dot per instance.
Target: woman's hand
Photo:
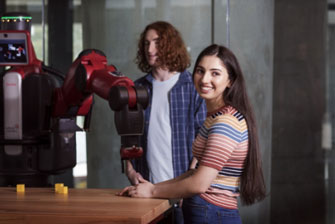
(142, 190)
(124, 191)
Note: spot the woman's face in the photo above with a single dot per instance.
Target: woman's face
(211, 79)
(150, 43)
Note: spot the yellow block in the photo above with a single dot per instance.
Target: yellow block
(20, 188)
(58, 186)
(63, 190)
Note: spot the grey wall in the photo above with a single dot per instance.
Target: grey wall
(116, 32)
(297, 189)
(251, 38)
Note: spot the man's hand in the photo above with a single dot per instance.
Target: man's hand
(134, 177)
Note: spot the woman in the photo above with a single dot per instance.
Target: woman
(226, 148)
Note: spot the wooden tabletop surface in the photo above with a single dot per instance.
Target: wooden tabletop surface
(43, 205)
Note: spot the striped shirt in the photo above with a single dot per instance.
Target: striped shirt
(222, 144)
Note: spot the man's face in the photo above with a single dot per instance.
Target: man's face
(150, 43)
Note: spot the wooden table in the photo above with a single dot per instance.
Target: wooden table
(43, 205)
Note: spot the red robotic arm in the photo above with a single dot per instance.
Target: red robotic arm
(91, 74)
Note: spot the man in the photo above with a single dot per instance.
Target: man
(175, 111)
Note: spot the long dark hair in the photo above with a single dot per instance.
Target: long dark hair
(172, 52)
(252, 186)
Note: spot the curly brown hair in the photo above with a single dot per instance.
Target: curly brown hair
(172, 53)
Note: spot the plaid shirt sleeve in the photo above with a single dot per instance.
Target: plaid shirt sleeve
(187, 113)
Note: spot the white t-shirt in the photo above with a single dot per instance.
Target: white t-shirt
(159, 148)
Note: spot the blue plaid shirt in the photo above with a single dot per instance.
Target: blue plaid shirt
(187, 113)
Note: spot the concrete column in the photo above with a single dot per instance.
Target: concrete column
(297, 190)
(60, 19)
(2, 7)
(2, 11)
(330, 154)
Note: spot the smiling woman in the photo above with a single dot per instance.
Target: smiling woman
(211, 79)
(226, 148)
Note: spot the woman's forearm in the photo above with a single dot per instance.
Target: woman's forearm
(191, 183)
(183, 176)
(181, 187)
